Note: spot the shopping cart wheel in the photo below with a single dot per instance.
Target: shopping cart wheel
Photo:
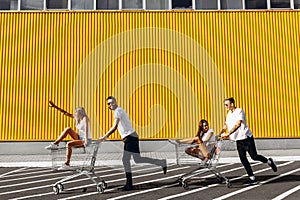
(228, 184)
(180, 181)
(104, 184)
(55, 189)
(100, 187)
(220, 179)
(60, 187)
(185, 186)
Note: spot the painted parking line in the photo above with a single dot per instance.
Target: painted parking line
(51, 193)
(53, 174)
(116, 188)
(287, 193)
(214, 185)
(151, 174)
(37, 171)
(143, 192)
(205, 187)
(29, 182)
(255, 186)
(77, 180)
(46, 180)
(29, 173)
(11, 172)
(30, 177)
(139, 183)
(162, 187)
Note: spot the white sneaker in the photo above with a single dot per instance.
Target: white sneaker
(64, 167)
(52, 146)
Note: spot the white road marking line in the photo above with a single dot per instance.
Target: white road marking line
(29, 182)
(287, 193)
(60, 173)
(214, 185)
(143, 192)
(51, 179)
(189, 192)
(254, 186)
(11, 172)
(45, 186)
(155, 173)
(29, 173)
(31, 177)
(32, 196)
(113, 189)
(29, 169)
(41, 170)
(85, 186)
(139, 183)
(205, 187)
(159, 188)
(231, 170)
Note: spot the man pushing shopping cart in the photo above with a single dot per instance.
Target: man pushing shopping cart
(203, 146)
(131, 142)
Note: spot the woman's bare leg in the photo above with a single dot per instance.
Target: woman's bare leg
(65, 133)
(195, 152)
(74, 143)
(203, 150)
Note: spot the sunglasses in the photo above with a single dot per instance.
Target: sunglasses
(109, 103)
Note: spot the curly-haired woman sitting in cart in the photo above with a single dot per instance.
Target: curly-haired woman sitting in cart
(204, 137)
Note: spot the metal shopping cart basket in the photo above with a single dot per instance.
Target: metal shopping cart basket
(83, 161)
(208, 165)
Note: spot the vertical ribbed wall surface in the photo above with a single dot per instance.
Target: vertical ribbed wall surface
(167, 69)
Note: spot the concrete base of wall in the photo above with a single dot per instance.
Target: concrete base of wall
(32, 148)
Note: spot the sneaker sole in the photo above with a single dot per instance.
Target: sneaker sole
(248, 184)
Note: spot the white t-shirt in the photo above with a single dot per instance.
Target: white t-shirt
(124, 126)
(243, 131)
(212, 139)
(81, 129)
(205, 136)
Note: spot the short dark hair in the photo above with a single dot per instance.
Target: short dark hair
(231, 99)
(111, 97)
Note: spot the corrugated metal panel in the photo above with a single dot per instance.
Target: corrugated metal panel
(168, 70)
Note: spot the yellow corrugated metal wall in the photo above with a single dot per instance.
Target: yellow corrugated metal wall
(168, 70)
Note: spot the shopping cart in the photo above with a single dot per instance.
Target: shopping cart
(207, 165)
(83, 162)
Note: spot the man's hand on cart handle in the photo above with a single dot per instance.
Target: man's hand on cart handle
(101, 139)
(223, 136)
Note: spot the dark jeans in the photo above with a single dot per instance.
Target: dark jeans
(248, 145)
(131, 148)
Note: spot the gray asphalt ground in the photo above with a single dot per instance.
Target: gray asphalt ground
(27, 182)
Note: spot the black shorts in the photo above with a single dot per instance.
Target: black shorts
(131, 143)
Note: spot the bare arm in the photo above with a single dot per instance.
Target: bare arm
(111, 130)
(236, 126)
(86, 122)
(223, 129)
(52, 105)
